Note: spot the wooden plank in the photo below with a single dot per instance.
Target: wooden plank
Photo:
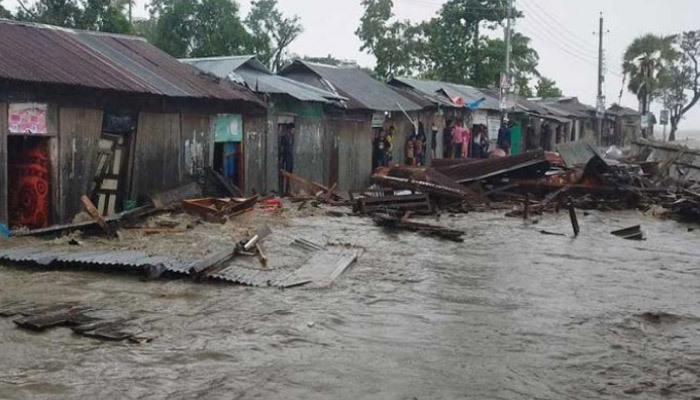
(92, 210)
(77, 143)
(157, 154)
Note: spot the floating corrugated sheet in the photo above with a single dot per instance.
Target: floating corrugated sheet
(118, 259)
(51, 55)
(527, 165)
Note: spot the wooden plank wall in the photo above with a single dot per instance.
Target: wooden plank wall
(308, 149)
(255, 157)
(354, 154)
(78, 138)
(3, 164)
(196, 145)
(157, 160)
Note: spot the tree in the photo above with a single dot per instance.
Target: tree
(272, 32)
(96, 15)
(396, 45)
(457, 50)
(4, 13)
(646, 64)
(681, 91)
(548, 88)
(524, 61)
(199, 28)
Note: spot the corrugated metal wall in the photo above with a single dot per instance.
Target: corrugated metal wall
(3, 164)
(254, 145)
(157, 154)
(309, 149)
(272, 152)
(197, 143)
(354, 153)
(78, 138)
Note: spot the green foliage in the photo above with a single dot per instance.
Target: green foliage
(4, 13)
(449, 47)
(396, 45)
(272, 32)
(646, 62)
(199, 28)
(680, 91)
(548, 88)
(97, 15)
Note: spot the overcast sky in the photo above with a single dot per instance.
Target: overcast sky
(562, 33)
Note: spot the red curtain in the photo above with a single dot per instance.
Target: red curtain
(29, 183)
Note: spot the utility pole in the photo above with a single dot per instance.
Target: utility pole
(506, 81)
(600, 113)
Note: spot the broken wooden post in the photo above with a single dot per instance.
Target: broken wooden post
(526, 206)
(92, 210)
(574, 219)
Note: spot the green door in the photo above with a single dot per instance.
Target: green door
(515, 139)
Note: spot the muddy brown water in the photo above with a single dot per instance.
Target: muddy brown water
(509, 314)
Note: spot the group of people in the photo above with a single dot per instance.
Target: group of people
(383, 147)
(461, 142)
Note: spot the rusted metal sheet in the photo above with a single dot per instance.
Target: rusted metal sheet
(532, 164)
(77, 143)
(157, 157)
(3, 164)
(106, 62)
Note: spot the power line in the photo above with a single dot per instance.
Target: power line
(556, 35)
(582, 41)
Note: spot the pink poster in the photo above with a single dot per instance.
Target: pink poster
(27, 118)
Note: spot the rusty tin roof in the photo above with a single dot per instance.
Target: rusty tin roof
(35, 53)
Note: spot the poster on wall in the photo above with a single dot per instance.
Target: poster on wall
(228, 128)
(27, 118)
(494, 126)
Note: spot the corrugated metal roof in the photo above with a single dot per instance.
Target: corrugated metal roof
(363, 91)
(435, 88)
(259, 78)
(52, 55)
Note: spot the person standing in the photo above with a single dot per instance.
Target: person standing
(433, 142)
(378, 147)
(504, 137)
(447, 147)
(389, 147)
(287, 155)
(457, 139)
(466, 141)
(421, 145)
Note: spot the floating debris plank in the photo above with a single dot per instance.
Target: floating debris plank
(631, 233)
(390, 222)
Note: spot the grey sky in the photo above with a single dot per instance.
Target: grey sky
(562, 33)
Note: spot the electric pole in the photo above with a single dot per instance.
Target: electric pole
(600, 112)
(506, 81)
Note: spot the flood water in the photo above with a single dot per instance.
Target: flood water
(508, 314)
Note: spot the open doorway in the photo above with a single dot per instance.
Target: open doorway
(110, 189)
(227, 161)
(285, 123)
(29, 179)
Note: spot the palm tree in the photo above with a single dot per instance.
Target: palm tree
(646, 64)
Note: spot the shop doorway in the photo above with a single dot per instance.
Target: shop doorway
(29, 204)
